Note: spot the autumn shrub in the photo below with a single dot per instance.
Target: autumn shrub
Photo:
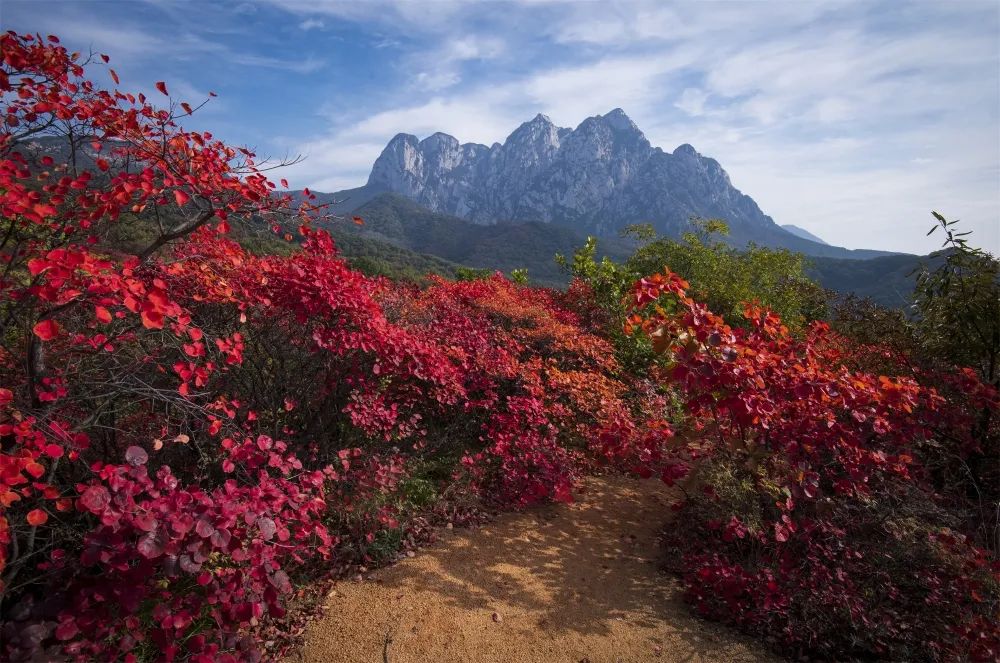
(189, 429)
(954, 321)
(807, 517)
(538, 387)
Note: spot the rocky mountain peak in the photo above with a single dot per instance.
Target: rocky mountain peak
(439, 141)
(541, 120)
(597, 177)
(401, 139)
(686, 150)
(399, 165)
(539, 130)
(619, 121)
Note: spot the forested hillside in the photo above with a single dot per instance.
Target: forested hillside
(503, 246)
(207, 414)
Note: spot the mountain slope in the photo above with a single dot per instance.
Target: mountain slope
(887, 280)
(803, 233)
(505, 246)
(596, 179)
(400, 237)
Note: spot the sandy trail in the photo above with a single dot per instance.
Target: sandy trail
(560, 583)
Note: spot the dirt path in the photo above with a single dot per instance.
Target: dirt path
(561, 583)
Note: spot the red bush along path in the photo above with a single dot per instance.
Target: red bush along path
(188, 429)
(819, 549)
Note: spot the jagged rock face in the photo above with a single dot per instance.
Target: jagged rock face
(598, 177)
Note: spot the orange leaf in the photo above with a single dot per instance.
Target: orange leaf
(103, 314)
(152, 320)
(114, 76)
(37, 517)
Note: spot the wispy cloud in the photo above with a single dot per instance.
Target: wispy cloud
(312, 24)
(130, 39)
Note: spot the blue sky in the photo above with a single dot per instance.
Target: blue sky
(850, 119)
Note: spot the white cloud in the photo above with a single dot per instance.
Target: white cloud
(312, 24)
(692, 101)
(600, 32)
(441, 67)
(472, 48)
(436, 80)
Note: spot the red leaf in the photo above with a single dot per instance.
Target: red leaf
(152, 320)
(95, 499)
(181, 197)
(162, 87)
(36, 266)
(37, 517)
(103, 314)
(67, 629)
(44, 210)
(46, 330)
(150, 546)
(114, 76)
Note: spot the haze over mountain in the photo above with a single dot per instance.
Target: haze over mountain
(802, 232)
(596, 179)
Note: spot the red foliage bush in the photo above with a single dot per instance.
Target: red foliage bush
(806, 518)
(187, 431)
(539, 385)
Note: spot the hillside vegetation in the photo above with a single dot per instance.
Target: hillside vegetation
(888, 280)
(505, 246)
(206, 413)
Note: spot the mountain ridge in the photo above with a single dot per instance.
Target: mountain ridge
(595, 179)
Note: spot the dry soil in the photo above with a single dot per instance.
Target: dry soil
(562, 583)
